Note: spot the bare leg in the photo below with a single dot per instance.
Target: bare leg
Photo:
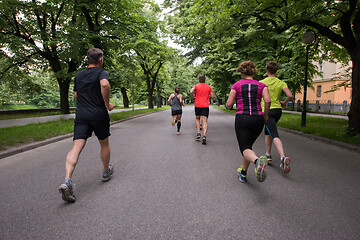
(73, 157)
(268, 143)
(249, 156)
(204, 124)
(105, 152)
(279, 146)
(197, 121)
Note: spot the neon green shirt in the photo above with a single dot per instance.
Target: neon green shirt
(275, 87)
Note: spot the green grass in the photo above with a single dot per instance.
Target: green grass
(17, 106)
(331, 128)
(18, 135)
(30, 115)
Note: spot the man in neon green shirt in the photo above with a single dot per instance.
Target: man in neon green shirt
(275, 86)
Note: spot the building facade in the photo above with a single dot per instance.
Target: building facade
(333, 74)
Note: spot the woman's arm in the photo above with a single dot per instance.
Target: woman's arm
(288, 97)
(231, 99)
(267, 101)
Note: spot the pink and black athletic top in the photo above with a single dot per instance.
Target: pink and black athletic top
(248, 96)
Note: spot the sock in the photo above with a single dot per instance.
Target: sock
(256, 161)
(178, 126)
(243, 172)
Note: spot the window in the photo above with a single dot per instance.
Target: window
(321, 67)
(318, 91)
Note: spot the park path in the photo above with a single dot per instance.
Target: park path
(171, 187)
(25, 121)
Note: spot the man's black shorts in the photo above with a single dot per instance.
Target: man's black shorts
(176, 112)
(202, 111)
(83, 128)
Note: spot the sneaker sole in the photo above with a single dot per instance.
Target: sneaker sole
(198, 139)
(107, 178)
(261, 173)
(286, 165)
(65, 194)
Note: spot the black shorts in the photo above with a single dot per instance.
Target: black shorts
(248, 129)
(83, 129)
(202, 111)
(270, 126)
(176, 112)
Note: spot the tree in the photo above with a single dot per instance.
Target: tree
(56, 34)
(336, 22)
(151, 51)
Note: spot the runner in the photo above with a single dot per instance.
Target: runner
(92, 91)
(249, 119)
(276, 86)
(203, 93)
(176, 102)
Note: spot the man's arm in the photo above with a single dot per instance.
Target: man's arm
(211, 95)
(105, 92)
(192, 93)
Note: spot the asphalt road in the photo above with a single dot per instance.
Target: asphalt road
(171, 187)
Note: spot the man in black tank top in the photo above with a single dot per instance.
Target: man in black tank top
(176, 102)
(92, 92)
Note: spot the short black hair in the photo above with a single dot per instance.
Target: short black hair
(201, 78)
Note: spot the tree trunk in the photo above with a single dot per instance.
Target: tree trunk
(354, 113)
(125, 97)
(64, 95)
(150, 99)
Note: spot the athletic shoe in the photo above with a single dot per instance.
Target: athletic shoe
(285, 164)
(260, 171)
(200, 126)
(242, 177)
(177, 133)
(268, 156)
(173, 122)
(198, 136)
(106, 176)
(66, 191)
(204, 140)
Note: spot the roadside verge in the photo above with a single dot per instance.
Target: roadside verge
(30, 146)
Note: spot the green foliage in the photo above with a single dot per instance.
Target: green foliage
(56, 34)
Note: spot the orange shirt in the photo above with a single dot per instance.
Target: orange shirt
(202, 92)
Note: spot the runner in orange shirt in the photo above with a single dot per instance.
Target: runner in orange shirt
(203, 93)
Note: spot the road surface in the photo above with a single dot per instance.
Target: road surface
(167, 186)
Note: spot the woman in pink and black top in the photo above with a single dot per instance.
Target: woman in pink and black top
(250, 118)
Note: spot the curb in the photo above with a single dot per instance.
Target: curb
(321, 139)
(30, 146)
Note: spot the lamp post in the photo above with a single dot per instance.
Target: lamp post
(158, 93)
(308, 38)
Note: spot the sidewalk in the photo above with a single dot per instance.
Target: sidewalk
(25, 121)
(318, 114)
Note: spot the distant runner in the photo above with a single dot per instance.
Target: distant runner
(92, 91)
(250, 118)
(276, 86)
(203, 93)
(176, 102)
